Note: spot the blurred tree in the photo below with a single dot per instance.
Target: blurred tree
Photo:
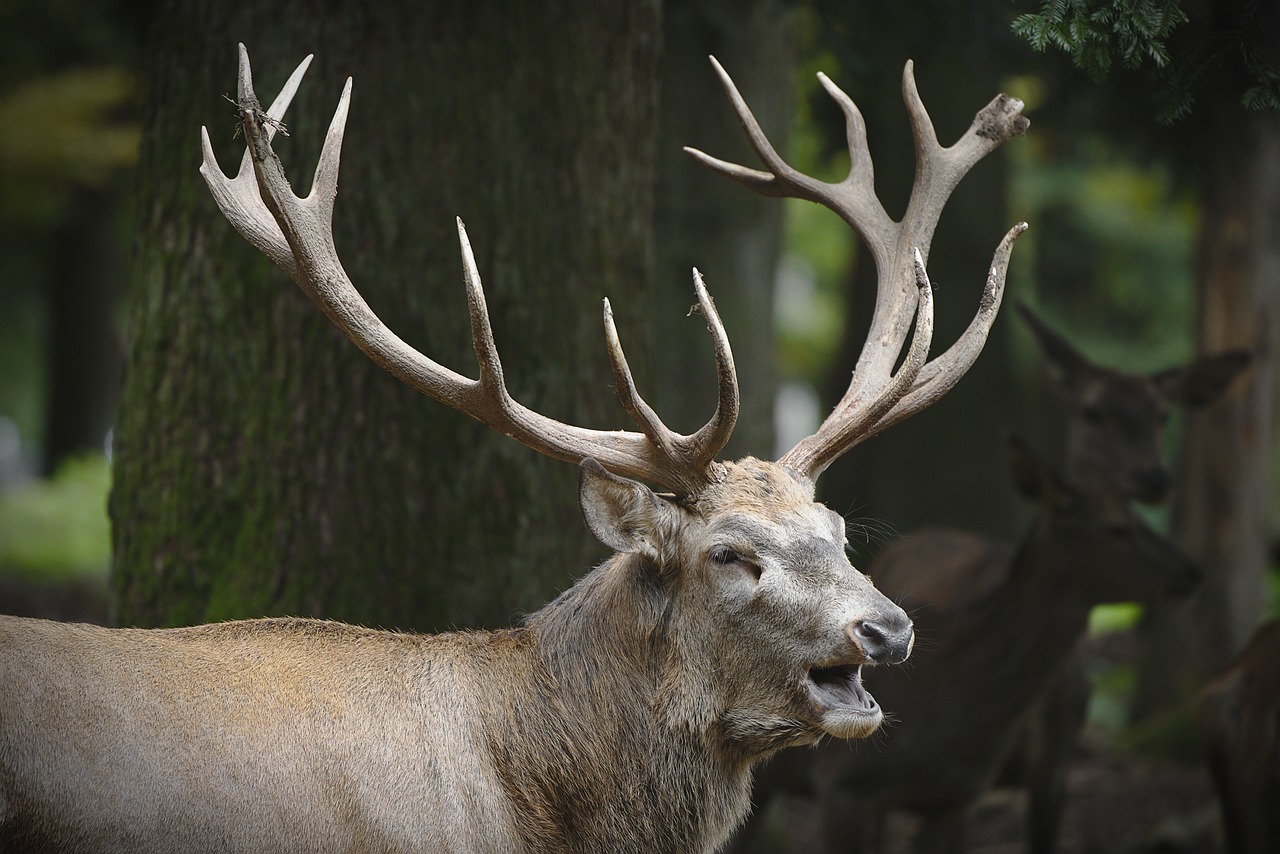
(263, 464)
(69, 142)
(1221, 60)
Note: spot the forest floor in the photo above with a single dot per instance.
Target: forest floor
(1115, 806)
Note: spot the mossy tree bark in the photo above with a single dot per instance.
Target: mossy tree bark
(263, 465)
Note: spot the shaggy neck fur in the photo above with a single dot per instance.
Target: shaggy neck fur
(604, 750)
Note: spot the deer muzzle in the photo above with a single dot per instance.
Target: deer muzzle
(886, 639)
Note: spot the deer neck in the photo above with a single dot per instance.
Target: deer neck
(1016, 638)
(1043, 609)
(587, 749)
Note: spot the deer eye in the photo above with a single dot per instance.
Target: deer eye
(724, 556)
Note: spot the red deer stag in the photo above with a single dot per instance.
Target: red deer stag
(624, 716)
(1240, 727)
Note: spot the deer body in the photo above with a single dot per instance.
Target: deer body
(1239, 715)
(453, 741)
(1001, 644)
(624, 716)
(400, 743)
(1114, 425)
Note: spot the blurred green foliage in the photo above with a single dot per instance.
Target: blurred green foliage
(58, 528)
(1111, 251)
(63, 131)
(818, 246)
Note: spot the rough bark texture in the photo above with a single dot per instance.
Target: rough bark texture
(731, 235)
(263, 465)
(1221, 513)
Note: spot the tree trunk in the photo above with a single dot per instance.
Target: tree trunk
(1221, 513)
(263, 465)
(733, 236)
(83, 353)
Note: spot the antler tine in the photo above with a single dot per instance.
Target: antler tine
(878, 396)
(715, 434)
(850, 423)
(941, 373)
(640, 411)
(486, 350)
(297, 234)
(255, 222)
(853, 199)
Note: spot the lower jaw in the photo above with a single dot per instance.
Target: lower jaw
(852, 724)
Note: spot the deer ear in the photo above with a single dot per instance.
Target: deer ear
(623, 514)
(1064, 362)
(1203, 381)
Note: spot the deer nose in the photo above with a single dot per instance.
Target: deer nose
(884, 640)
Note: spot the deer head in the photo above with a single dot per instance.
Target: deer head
(1115, 419)
(1094, 547)
(733, 564)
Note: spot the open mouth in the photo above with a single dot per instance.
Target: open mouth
(845, 707)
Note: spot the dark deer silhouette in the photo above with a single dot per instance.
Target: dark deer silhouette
(1240, 727)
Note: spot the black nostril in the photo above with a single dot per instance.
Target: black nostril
(869, 636)
(883, 643)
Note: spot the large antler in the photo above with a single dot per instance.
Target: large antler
(297, 234)
(879, 397)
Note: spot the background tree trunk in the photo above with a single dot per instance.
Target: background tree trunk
(1221, 512)
(83, 351)
(733, 236)
(263, 465)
